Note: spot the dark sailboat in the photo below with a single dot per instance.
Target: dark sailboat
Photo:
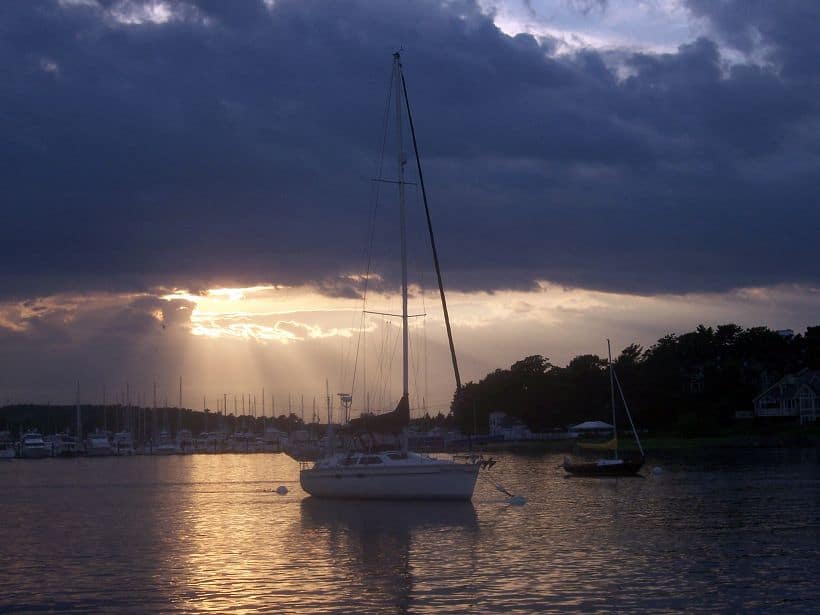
(617, 465)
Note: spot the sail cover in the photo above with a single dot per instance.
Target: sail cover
(609, 445)
(387, 423)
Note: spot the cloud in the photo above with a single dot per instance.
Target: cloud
(201, 144)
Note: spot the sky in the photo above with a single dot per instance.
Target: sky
(187, 188)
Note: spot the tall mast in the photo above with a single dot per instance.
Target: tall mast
(612, 394)
(400, 161)
(154, 422)
(79, 433)
(179, 418)
(432, 237)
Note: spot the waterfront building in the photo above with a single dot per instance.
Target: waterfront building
(511, 428)
(795, 396)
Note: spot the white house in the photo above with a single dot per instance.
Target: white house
(501, 424)
(794, 395)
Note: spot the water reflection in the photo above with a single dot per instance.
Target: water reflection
(207, 533)
(376, 541)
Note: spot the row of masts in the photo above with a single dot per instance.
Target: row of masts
(133, 415)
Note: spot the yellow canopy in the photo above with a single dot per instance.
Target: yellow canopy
(610, 445)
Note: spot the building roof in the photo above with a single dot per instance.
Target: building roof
(788, 387)
(591, 426)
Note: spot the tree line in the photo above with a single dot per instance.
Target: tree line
(690, 384)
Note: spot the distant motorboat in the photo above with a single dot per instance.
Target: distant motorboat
(271, 440)
(6, 446)
(301, 445)
(98, 444)
(185, 441)
(166, 445)
(210, 442)
(123, 444)
(243, 442)
(63, 445)
(33, 446)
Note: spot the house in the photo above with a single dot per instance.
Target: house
(795, 395)
(502, 424)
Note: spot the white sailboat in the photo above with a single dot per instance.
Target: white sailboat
(397, 474)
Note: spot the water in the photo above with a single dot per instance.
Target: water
(207, 533)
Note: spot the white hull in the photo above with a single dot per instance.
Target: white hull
(452, 481)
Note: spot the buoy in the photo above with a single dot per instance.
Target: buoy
(517, 500)
(281, 490)
(657, 470)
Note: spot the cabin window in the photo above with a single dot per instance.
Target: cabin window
(364, 461)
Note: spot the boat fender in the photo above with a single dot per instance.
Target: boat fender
(657, 470)
(281, 490)
(517, 500)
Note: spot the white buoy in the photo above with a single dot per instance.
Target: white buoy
(657, 470)
(281, 490)
(517, 500)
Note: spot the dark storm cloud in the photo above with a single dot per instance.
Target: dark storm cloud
(233, 144)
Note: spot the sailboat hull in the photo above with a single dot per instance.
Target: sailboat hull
(407, 482)
(605, 469)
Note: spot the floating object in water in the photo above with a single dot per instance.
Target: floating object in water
(514, 500)
(657, 470)
(281, 490)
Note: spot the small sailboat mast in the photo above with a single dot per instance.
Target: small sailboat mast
(612, 396)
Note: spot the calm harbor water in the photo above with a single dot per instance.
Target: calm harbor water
(716, 531)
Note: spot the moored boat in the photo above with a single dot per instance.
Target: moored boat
(7, 449)
(391, 475)
(123, 444)
(397, 475)
(608, 467)
(185, 441)
(63, 445)
(166, 445)
(98, 444)
(33, 446)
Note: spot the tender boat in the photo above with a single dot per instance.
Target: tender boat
(615, 466)
(394, 475)
(32, 446)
